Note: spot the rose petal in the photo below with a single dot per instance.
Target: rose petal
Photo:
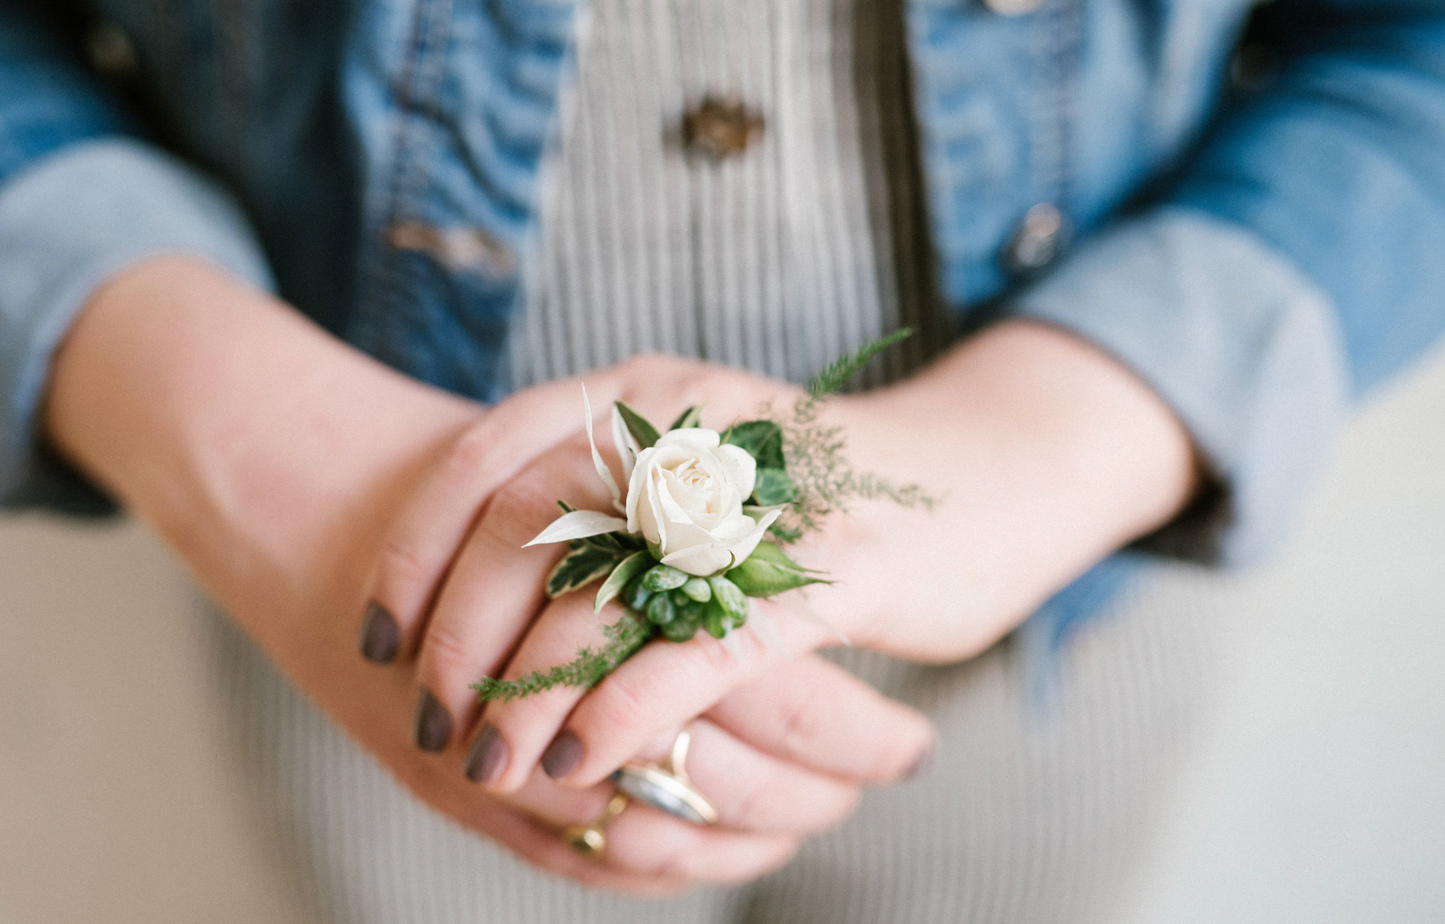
(699, 560)
(578, 524)
(627, 447)
(652, 516)
(603, 471)
(637, 488)
(743, 468)
(693, 437)
(744, 547)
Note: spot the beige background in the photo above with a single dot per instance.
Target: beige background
(1318, 794)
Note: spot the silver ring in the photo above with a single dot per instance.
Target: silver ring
(666, 787)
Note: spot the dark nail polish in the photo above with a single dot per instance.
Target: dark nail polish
(920, 765)
(433, 725)
(379, 634)
(488, 756)
(562, 755)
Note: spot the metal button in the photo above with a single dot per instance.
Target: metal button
(720, 128)
(111, 52)
(1013, 7)
(1038, 240)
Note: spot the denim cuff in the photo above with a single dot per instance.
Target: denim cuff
(1245, 349)
(67, 224)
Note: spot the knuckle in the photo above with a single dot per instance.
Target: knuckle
(801, 720)
(517, 512)
(751, 805)
(402, 563)
(622, 709)
(469, 453)
(739, 657)
(445, 652)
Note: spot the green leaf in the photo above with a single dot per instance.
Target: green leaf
(783, 533)
(773, 486)
(635, 596)
(728, 597)
(664, 577)
(640, 427)
(769, 571)
(689, 418)
(584, 563)
(715, 621)
(683, 626)
(772, 552)
(625, 571)
(762, 439)
(661, 609)
(698, 589)
(837, 373)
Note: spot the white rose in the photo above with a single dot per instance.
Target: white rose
(685, 496)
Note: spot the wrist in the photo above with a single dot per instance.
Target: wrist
(1049, 455)
(262, 449)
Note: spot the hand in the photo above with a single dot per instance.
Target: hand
(782, 759)
(1048, 456)
(275, 460)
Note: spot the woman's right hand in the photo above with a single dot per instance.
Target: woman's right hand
(282, 466)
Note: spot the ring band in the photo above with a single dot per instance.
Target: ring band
(591, 839)
(666, 786)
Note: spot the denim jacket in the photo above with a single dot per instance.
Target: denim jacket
(1258, 255)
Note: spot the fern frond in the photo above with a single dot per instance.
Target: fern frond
(837, 373)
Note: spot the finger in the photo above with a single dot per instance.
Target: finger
(662, 686)
(495, 589)
(653, 850)
(815, 714)
(541, 844)
(431, 524)
(644, 841)
(513, 734)
(757, 792)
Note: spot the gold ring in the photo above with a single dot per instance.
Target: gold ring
(666, 786)
(591, 839)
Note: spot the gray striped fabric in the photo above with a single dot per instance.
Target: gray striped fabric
(1050, 768)
(778, 259)
(1051, 775)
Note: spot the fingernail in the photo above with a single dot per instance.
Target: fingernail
(488, 755)
(562, 755)
(433, 725)
(920, 765)
(379, 634)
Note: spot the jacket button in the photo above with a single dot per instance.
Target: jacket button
(719, 128)
(1013, 7)
(460, 249)
(111, 52)
(1038, 240)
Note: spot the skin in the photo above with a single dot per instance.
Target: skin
(300, 480)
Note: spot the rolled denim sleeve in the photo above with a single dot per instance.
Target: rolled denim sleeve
(1244, 348)
(67, 223)
(81, 198)
(1298, 261)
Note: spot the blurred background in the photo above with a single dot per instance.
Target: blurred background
(1317, 793)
